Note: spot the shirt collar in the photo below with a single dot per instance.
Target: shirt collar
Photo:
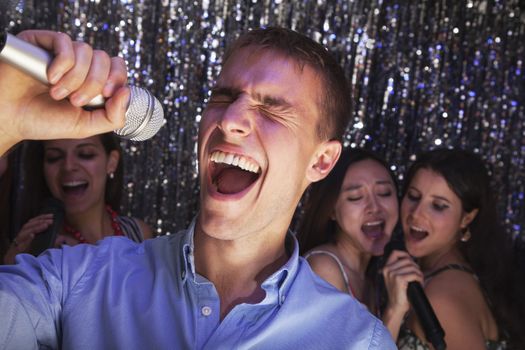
(280, 279)
(186, 255)
(283, 278)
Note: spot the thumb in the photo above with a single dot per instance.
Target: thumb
(109, 118)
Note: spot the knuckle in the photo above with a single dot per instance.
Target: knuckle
(102, 55)
(82, 46)
(26, 34)
(68, 62)
(74, 82)
(62, 36)
(118, 60)
(118, 68)
(93, 82)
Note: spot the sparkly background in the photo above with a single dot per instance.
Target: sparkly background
(424, 74)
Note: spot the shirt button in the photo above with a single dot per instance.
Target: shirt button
(206, 311)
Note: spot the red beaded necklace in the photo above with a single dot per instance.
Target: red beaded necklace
(117, 230)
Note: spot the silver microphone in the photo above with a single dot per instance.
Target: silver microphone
(144, 116)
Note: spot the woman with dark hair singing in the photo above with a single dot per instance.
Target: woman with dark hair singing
(86, 175)
(451, 228)
(349, 218)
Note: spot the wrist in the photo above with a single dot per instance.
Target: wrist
(7, 137)
(394, 314)
(393, 319)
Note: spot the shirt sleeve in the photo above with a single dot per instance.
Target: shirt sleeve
(381, 338)
(34, 291)
(30, 300)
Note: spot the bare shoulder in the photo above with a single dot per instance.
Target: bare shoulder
(458, 303)
(326, 267)
(455, 288)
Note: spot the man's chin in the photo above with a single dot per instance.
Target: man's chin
(221, 227)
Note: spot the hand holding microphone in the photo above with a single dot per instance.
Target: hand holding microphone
(400, 269)
(77, 72)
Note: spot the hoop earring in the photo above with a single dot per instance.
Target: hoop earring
(465, 236)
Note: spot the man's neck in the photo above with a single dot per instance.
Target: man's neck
(237, 268)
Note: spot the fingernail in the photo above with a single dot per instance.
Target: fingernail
(79, 100)
(60, 93)
(125, 104)
(108, 88)
(55, 77)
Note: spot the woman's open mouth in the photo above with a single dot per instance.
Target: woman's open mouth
(74, 188)
(374, 229)
(417, 233)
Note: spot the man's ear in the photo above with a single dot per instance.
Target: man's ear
(323, 160)
(113, 159)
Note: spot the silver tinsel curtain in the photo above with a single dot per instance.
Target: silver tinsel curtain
(424, 74)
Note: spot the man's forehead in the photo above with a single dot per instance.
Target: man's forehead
(250, 53)
(266, 66)
(270, 76)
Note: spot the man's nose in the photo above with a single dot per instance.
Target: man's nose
(237, 119)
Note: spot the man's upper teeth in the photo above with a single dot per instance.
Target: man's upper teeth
(73, 183)
(235, 160)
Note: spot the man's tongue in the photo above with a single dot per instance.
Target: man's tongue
(233, 180)
(373, 231)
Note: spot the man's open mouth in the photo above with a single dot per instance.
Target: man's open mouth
(232, 173)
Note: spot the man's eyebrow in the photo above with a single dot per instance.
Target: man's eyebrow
(274, 101)
(267, 100)
(225, 91)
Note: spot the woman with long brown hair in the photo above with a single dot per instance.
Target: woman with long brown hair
(86, 176)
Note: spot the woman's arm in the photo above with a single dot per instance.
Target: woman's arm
(399, 270)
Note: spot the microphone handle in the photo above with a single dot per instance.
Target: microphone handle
(32, 60)
(419, 301)
(46, 239)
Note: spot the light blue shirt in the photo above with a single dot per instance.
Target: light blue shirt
(126, 295)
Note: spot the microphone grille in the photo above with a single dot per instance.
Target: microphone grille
(144, 116)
